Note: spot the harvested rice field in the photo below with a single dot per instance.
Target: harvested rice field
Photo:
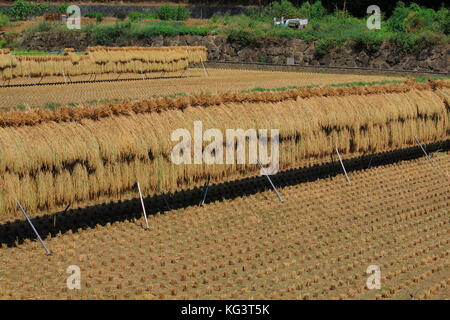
(194, 81)
(85, 161)
(316, 245)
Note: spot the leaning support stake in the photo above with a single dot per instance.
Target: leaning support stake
(423, 149)
(204, 68)
(205, 191)
(270, 180)
(342, 164)
(34, 229)
(143, 207)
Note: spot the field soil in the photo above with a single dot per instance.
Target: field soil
(317, 245)
(219, 80)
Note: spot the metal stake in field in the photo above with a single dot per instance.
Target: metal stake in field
(423, 149)
(270, 181)
(64, 75)
(142, 203)
(204, 68)
(205, 191)
(34, 229)
(342, 164)
(370, 162)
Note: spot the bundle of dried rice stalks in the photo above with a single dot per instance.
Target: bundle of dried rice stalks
(101, 60)
(84, 160)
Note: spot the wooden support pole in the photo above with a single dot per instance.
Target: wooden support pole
(34, 229)
(143, 207)
(270, 181)
(342, 164)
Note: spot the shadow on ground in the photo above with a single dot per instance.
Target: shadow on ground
(14, 233)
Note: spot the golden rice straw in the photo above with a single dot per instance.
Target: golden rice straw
(50, 164)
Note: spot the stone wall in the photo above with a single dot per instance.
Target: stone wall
(304, 52)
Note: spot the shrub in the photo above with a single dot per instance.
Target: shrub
(416, 18)
(262, 59)
(416, 42)
(317, 10)
(242, 37)
(122, 31)
(120, 15)
(21, 10)
(283, 8)
(98, 16)
(167, 12)
(3, 44)
(136, 16)
(312, 11)
(323, 46)
(42, 26)
(443, 20)
(368, 41)
(142, 31)
(4, 20)
(62, 8)
(108, 34)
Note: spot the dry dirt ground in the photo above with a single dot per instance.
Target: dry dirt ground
(219, 80)
(316, 245)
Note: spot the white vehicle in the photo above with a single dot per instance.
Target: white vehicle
(291, 23)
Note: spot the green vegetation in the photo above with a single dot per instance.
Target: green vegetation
(98, 16)
(364, 83)
(122, 32)
(52, 105)
(286, 9)
(259, 89)
(4, 20)
(163, 13)
(136, 16)
(410, 28)
(425, 79)
(22, 10)
(345, 84)
(176, 95)
(42, 26)
(177, 13)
